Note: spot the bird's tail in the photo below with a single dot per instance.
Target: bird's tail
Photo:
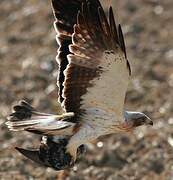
(25, 117)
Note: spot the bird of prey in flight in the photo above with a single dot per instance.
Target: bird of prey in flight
(93, 77)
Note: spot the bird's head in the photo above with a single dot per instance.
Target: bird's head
(136, 119)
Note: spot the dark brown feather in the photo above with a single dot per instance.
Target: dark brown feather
(93, 35)
(113, 26)
(92, 32)
(121, 40)
(65, 12)
(32, 155)
(76, 84)
(21, 111)
(123, 46)
(103, 21)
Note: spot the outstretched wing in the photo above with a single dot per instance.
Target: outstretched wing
(97, 69)
(65, 13)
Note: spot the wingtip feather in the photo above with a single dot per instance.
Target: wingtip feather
(30, 154)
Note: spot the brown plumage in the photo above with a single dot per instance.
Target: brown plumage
(92, 35)
(93, 77)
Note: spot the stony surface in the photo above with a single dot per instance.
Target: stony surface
(28, 71)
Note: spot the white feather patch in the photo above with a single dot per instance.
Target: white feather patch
(109, 89)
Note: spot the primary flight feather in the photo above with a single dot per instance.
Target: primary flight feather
(93, 77)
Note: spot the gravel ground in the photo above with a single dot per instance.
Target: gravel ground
(28, 71)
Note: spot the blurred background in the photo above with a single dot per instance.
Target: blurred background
(28, 70)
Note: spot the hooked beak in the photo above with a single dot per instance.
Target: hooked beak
(144, 120)
(148, 121)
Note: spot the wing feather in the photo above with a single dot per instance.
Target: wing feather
(98, 59)
(113, 27)
(65, 13)
(121, 40)
(91, 55)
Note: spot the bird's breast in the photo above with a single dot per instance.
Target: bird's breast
(99, 117)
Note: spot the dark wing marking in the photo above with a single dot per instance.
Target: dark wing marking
(65, 12)
(93, 35)
(123, 47)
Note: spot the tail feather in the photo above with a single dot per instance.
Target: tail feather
(21, 111)
(25, 117)
(31, 154)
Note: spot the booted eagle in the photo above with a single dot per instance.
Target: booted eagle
(93, 77)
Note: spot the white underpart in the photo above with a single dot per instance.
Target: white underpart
(104, 101)
(108, 91)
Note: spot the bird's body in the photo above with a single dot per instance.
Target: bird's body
(93, 77)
